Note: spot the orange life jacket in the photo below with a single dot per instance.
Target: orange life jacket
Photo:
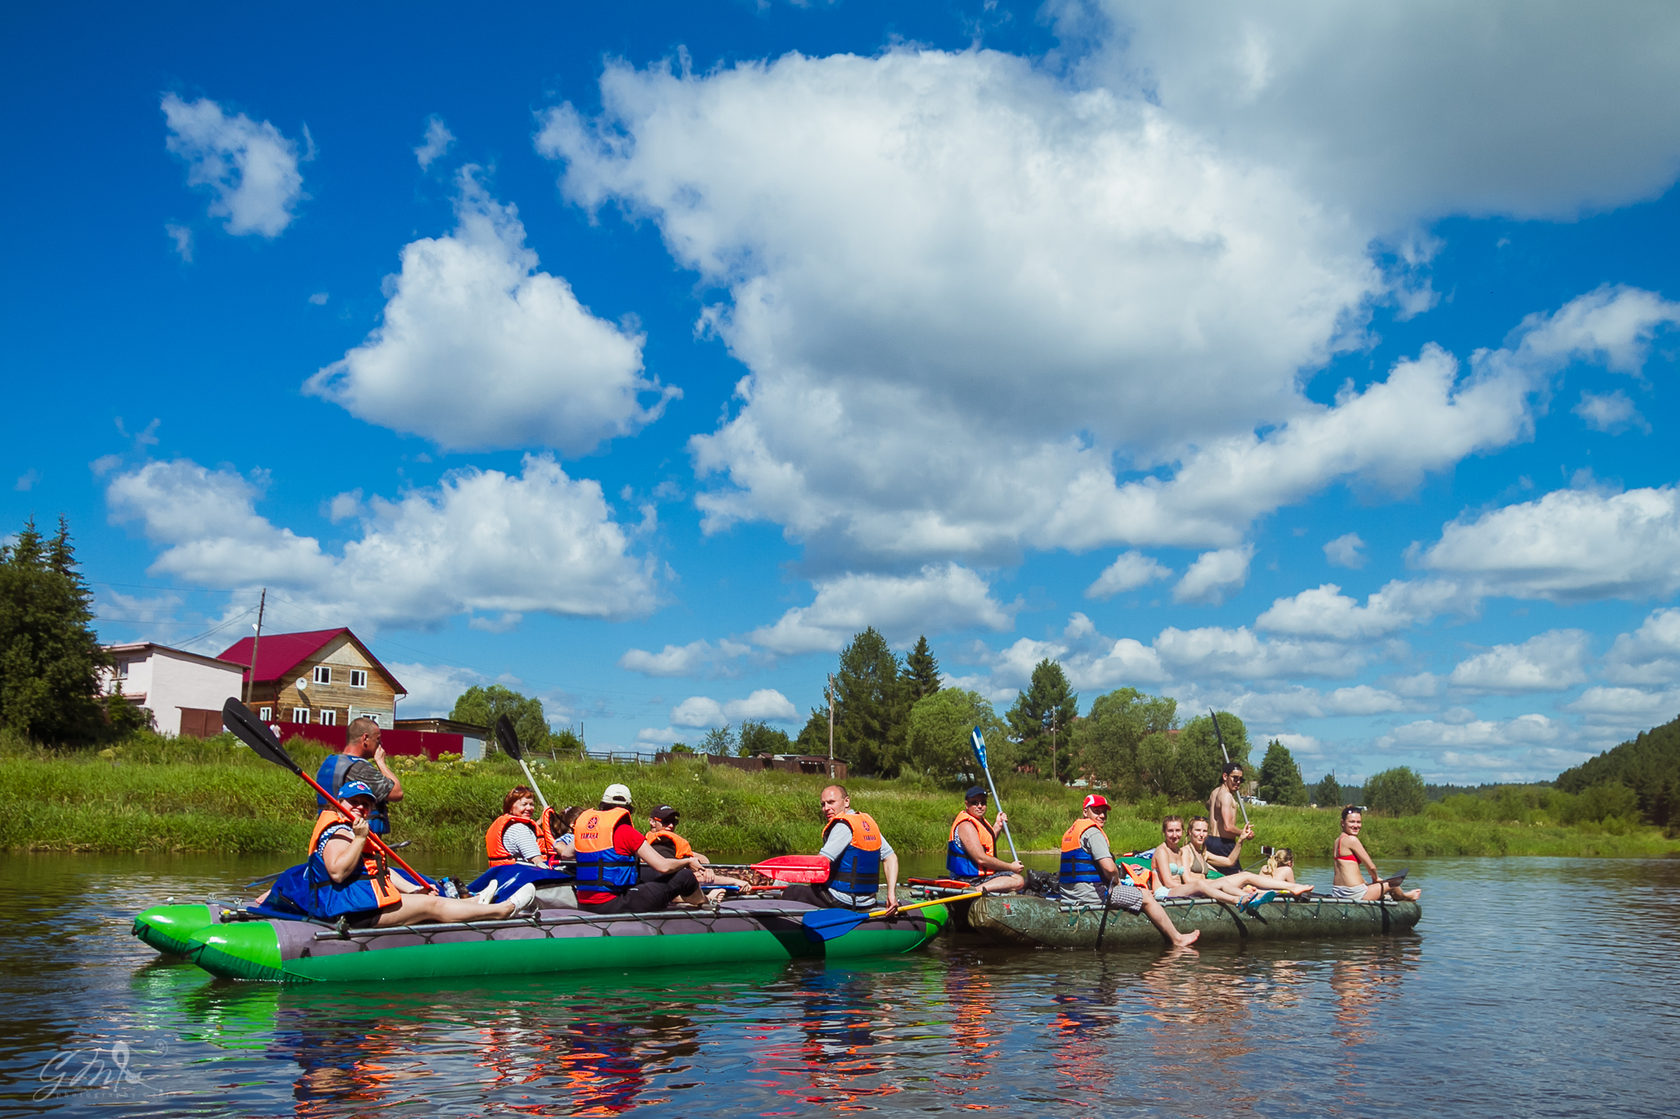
(957, 860)
(1142, 877)
(373, 865)
(601, 869)
(495, 840)
(678, 843)
(547, 841)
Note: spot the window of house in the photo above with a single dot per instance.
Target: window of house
(122, 670)
(374, 717)
(323, 674)
(300, 714)
(329, 718)
(358, 678)
(265, 713)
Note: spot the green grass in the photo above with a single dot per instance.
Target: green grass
(155, 794)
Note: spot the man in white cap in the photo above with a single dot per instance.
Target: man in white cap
(610, 854)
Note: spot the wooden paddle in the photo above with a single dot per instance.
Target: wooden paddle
(826, 924)
(508, 739)
(255, 733)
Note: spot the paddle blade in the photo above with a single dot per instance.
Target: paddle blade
(255, 733)
(1396, 879)
(826, 924)
(508, 739)
(979, 747)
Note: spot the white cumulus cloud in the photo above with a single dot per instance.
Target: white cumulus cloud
(1546, 662)
(940, 597)
(437, 140)
(1569, 546)
(1347, 550)
(481, 542)
(1533, 108)
(1129, 571)
(250, 169)
(1325, 612)
(1214, 575)
(693, 659)
(479, 349)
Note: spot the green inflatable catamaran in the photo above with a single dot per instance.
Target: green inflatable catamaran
(234, 944)
(1018, 919)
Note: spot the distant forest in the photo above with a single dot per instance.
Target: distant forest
(1648, 766)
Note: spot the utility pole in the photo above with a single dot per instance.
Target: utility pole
(831, 726)
(252, 678)
(1053, 714)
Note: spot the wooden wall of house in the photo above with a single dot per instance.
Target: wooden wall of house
(341, 657)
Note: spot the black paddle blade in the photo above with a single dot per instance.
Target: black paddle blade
(508, 739)
(254, 733)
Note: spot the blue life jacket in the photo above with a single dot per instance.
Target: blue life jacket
(331, 777)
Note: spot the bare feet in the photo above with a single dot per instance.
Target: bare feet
(1412, 895)
(1300, 891)
(1185, 940)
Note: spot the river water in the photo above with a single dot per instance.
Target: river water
(1534, 987)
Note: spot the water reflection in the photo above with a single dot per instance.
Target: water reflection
(1308, 1029)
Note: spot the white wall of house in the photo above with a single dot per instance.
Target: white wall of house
(166, 680)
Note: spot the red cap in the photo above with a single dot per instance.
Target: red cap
(1096, 800)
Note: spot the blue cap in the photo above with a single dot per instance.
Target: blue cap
(352, 789)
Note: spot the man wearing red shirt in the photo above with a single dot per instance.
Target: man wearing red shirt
(610, 855)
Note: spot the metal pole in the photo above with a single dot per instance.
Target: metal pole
(980, 752)
(831, 726)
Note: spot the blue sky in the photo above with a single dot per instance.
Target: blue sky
(1308, 361)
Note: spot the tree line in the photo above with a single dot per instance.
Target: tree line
(1647, 767)
(892, 718)
(50, 658)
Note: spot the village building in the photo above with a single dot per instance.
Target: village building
(184, 691)
(324, 677)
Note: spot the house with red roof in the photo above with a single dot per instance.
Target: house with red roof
(324, 677)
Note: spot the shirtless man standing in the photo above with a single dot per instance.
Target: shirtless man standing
(1227, 837)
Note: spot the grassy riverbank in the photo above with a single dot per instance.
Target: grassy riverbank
(160, 795)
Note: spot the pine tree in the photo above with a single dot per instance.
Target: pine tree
(921, 671)
(870, 709)
(1280, 777)
(49, 655)
(1041, 720)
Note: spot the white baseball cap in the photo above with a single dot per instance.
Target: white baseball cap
(617, 794)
